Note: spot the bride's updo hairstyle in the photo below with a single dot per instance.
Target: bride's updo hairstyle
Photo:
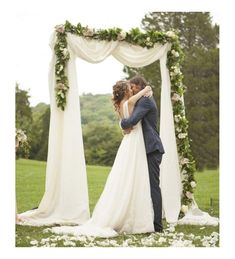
(120, 89)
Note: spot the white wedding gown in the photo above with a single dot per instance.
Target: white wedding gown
(125, 204)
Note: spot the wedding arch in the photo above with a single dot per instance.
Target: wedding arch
(66, 196)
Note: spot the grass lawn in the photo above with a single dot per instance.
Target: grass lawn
(30, 181)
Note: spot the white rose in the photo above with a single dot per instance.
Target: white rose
(88, 32)
(121, 35)
(175, 97)
(177, 118)
(65, 52)
(178, 129)
(170, 34)
(193, 184)
(60, 28)
(61, 68)
(184, 209)
(175, 53)
(184, 161)
(177, 70)
(182, 135)
(189, 195)
(149, 43)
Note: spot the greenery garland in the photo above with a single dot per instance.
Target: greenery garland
(174, 60)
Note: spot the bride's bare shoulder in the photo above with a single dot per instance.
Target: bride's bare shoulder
(122, 108)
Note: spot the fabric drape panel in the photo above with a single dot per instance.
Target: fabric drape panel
(170, 179)
(136, 56)
(92, 51)
(66, 196)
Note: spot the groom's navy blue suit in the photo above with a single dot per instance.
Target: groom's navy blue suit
(146, 110)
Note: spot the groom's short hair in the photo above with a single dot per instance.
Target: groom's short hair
(139, 80)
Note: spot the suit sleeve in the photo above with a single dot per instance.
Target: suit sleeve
(141, 109)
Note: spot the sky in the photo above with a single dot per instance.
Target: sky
(35, 22)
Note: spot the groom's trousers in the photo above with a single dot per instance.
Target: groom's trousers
(154, 161)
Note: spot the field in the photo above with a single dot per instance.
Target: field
(30, 181)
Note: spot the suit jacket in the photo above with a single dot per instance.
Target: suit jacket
(146, 110)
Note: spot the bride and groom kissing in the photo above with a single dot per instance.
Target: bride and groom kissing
(131, 201)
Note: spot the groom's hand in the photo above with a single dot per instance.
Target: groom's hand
(127, 131)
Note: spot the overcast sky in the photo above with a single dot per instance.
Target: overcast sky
(35, 22)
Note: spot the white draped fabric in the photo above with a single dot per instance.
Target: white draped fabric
(66, 197)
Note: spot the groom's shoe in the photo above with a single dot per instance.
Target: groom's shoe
(158, 229)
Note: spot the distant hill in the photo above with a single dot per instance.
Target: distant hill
(94, 108)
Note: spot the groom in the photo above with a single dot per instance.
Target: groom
(146, 110)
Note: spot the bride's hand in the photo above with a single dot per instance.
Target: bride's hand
(149, 93)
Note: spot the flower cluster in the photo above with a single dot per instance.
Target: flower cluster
(174, 60)
(62, 58)
(21, 140)
(170, 238)
(186, 162)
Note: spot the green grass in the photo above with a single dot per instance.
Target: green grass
(30, 182)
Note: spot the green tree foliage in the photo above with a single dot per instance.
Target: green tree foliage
(40, 132)
(23, 116)
(23, 111)
(101, 133)
(97, 108)
(199, 39)
(101, 142)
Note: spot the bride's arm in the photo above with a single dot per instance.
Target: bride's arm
(147, 91)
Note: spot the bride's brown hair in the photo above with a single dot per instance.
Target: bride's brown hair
(119, 91)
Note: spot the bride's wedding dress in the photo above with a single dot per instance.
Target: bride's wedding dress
(125, 204)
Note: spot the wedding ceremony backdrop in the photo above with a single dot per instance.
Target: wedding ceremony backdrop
(66, 196)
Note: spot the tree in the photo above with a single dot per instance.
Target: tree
(23, 116)
(101, 142)
(199, 40)
(45, 122)
(23, 111)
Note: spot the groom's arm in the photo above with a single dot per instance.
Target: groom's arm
(142, 108)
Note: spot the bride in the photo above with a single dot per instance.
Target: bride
(125, 204)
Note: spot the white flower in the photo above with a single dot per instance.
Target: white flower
(65, 52)
(193, 184)
(88, 32)
(149, 43)
(69, 243)
(121, 35)
(60, 28)
(177, 118)
(34, 242)
(184, 161)
(171, 34)
(182, 135)
(175, 97)
(148, 39)
(61, 86)
(175, 53)
(21, 137)
(162, 240)
(189, 195)
(177, 70)
(184, 209)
